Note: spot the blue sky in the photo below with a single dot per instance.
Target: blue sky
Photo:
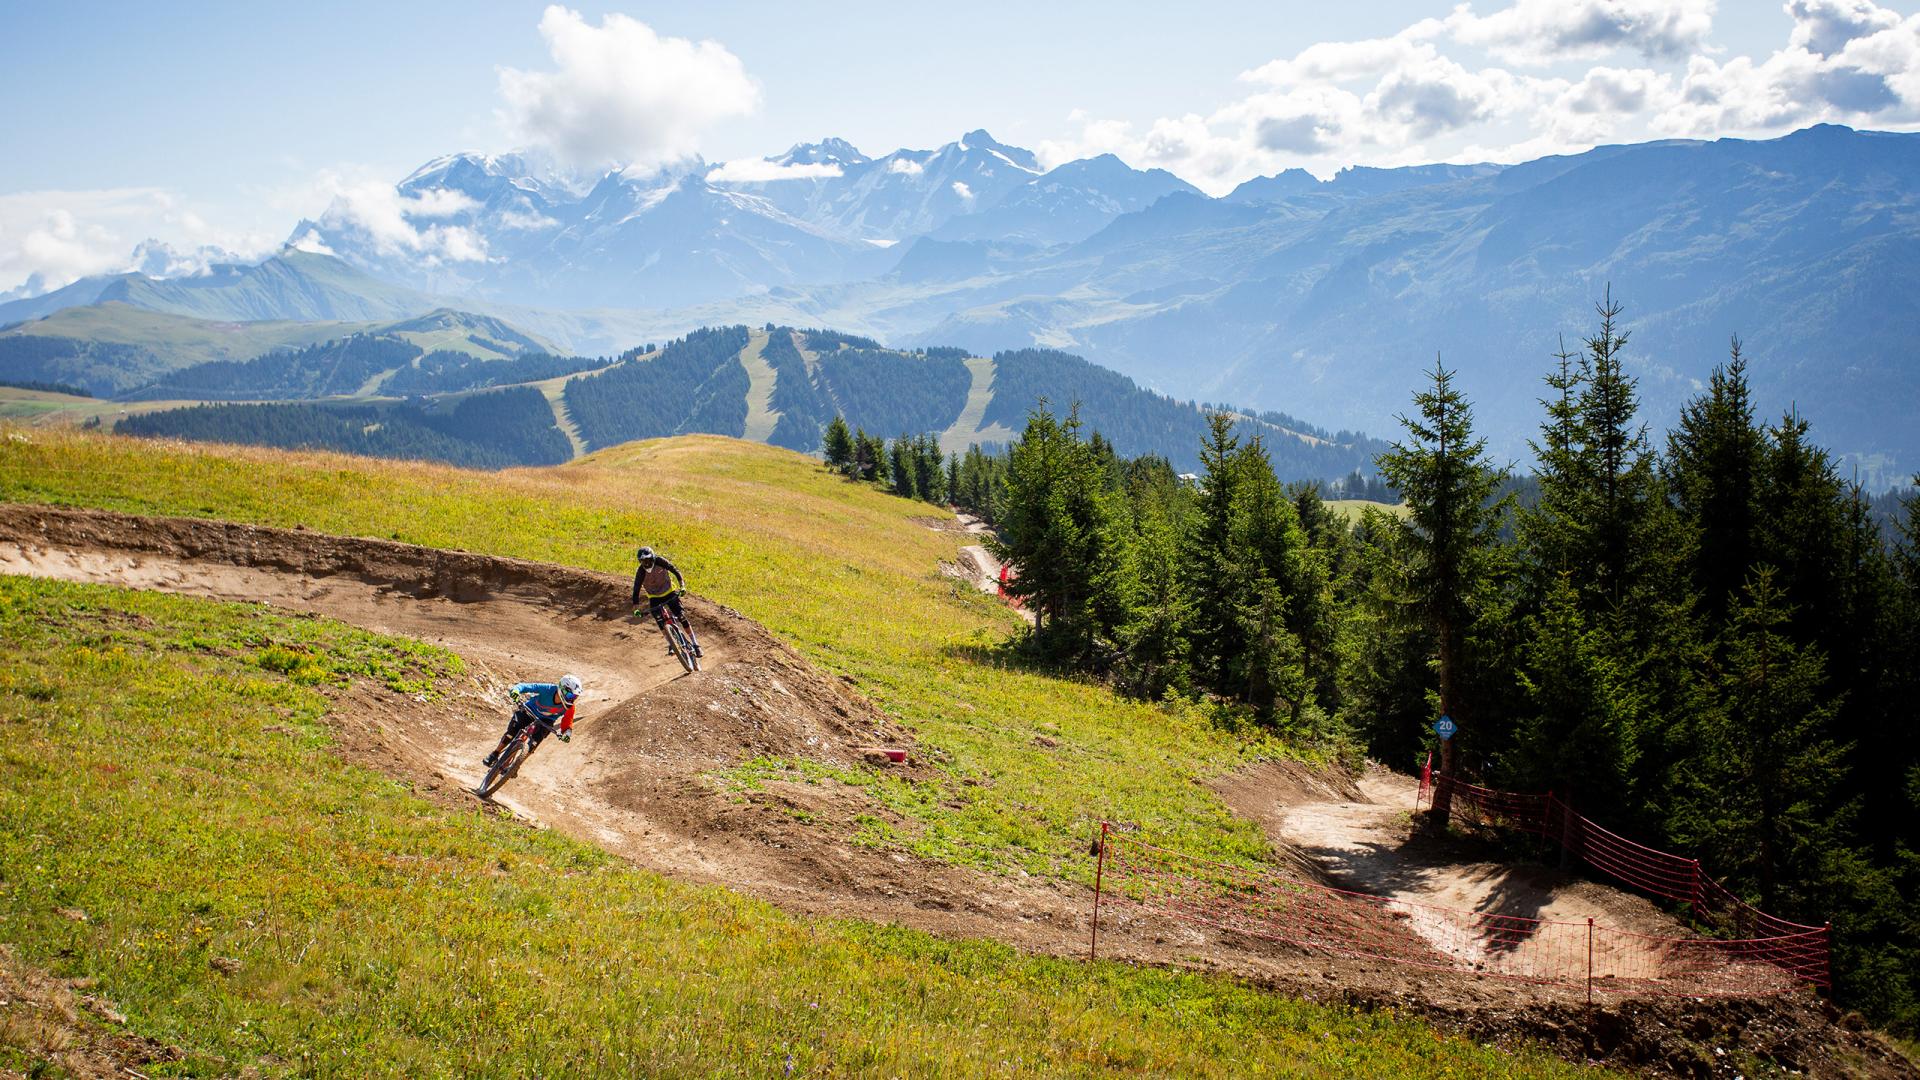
(223, 123)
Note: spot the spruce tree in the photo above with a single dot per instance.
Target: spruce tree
(1763, 795)
(900, 468)
(838, 443)
(1713, 464)
(1451, 531)
(1215, 577)
(1066, 535)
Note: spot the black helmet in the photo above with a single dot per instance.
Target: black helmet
(645, 555)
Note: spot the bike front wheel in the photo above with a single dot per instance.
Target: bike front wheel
(682, 650)
(506, 765)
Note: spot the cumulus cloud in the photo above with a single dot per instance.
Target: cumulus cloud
(49, 239)
(961, 189)
(621, 94)
(762, 171)
(1824, 27)
(389, 220)
(905, 167)
(1507, 83)
(1542, 31)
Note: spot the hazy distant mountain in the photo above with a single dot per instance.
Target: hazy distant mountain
(114, 347)
(904, 194)
(1330, 299)
(1325, 298)
(1068, 204)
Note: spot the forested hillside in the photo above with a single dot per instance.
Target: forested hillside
(118, 350)
(698, 384)
(695, 384)
(488, 431)
(1702, 640)
(330, 369)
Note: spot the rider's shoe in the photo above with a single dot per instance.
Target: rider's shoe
(491, 759)
(696, 650)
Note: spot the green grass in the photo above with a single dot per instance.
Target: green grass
(174, 826)
(841, 571)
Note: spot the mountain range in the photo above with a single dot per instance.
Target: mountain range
(1327, 299)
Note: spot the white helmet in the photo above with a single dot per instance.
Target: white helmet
(570, 686)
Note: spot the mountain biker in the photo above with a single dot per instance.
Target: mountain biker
(541, 704)
(655, 578)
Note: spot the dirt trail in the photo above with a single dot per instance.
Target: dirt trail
(637, 778)
(974, 563)
(1361, 839)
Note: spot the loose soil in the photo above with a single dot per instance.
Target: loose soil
(638, 780)
(60, 1023)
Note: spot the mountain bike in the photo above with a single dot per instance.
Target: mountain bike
(515, 755)
(679, 640)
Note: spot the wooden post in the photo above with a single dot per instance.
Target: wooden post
(1589, 963)
(1099, 872)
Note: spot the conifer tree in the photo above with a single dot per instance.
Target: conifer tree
(1066, 536)
(900, 471)
(1762, 795)
(1714, 458)
(838, 443)
(1214, 575)
(1451, 530)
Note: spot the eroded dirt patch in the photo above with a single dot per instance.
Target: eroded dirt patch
(63, 1025)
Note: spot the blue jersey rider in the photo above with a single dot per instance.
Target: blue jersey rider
(655, 578)
(545, 705)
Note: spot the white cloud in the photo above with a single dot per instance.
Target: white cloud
(1542, 31)
(52, 238)
(620, 94)
(1343, 61)
(439, 203)
(1510, 84)
(905, 167)
(762, 171)
(379, 213)
(525, 219)
(961, 189)
(1824, 27)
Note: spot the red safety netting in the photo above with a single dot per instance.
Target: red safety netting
(1803, 949)
(1313, 916)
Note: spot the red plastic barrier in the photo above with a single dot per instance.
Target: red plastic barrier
(1261, 905)
(1803, 948)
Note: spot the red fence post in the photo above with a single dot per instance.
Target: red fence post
(1699, 901)
(1099, 871)
(1589, 961)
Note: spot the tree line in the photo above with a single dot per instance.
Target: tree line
(1705, 641)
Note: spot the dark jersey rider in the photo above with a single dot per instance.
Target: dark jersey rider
(655, 579)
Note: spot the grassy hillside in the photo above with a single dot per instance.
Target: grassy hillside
(844, 572)
(228, 887)
(283, 944)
